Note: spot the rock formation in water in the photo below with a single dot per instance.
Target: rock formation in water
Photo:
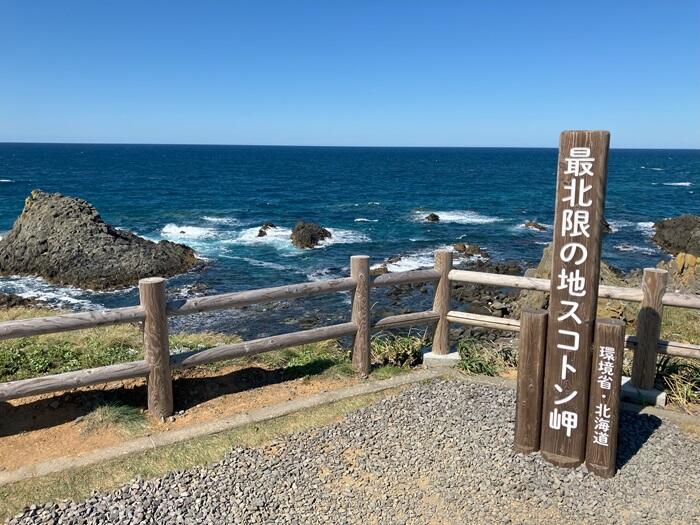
(65, 241)
(679, 235)
(432, 217)
(308, 234)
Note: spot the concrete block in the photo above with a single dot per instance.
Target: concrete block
(433, 360)
(641, 396)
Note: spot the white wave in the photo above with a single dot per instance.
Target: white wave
(413, 261)
(647, 228)
(277, 237)
(221, 220)
(340, 236)
(362, 219)
(459, 217)
(618, 225)
(174, 232)
(6, 180)
(653, 169)
(542, 243)
(41, 290)
(326, 273)
(524, 226)
(677, 183)
(633, 248)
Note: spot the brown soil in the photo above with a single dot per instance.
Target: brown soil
(41, 428)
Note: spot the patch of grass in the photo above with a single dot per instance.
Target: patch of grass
(396, 350)
(127, 419)
(681, 377)
(485, 357)
(79, 483)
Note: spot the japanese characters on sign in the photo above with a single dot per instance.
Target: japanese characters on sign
(575, 270)
(604, 403)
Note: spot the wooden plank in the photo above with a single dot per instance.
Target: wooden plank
(70, 380)
(67, 322)
(264, 295)
(404, 320)
(484, 321)
(528, 405)
(619, 293)
(412, 276)
(258, 346)
(441, 302)
(359, 272)
(648, 327)
(604, 403)
(156, 350)
(670, 348)
(581, 181)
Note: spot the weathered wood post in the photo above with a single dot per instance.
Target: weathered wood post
(155, 342)
(649, 319)
(581, 180)
(441, 302)
(604, 405)
(528, 405)
(359, 270)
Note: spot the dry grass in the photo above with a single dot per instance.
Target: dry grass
(79, 483)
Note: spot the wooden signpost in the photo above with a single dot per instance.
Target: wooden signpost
(604, 405)
(581, 180)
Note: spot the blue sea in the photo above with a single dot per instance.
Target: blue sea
(373, 200)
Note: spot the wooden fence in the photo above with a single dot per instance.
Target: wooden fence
(153, 311)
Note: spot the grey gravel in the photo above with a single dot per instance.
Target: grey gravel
(439, 452)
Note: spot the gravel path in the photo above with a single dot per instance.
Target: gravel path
(440, 452)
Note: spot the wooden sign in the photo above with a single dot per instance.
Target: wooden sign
(528, 401)
(604, 405)
(581, 178)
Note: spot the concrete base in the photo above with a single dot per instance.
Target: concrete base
(641, 396)
(433, 360)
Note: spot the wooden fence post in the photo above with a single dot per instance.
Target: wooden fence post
(649, 328)
(359, 270)
(528, 405)
(604, 403)
(441, 303)
(155, 342)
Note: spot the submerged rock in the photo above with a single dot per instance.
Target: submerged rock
(680, 234)
(262, 232)
(65, 241)
(605, 226)
(10, 300)
(432, 217)
(308, 234)
(534, 225)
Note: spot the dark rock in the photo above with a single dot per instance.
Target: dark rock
(64, 240)
(605, 226)
(263, 229)
(680, 234)
(432, 217)
(308, 234)
(468, 249)
(534, 225)
(8, 300)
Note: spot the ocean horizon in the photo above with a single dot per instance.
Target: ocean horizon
(214, 198)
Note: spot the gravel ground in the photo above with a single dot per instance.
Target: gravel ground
(440, 452)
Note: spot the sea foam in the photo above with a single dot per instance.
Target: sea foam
(174, 232)
(677, 183)
(458, 217)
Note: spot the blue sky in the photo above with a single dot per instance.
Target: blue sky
(401, 73)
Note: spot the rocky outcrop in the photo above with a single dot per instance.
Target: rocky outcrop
(534, 225)
(308, 234)
(683, 273)
(468, 249)
(64, 240)
(262, 232)
(9, 300)
(679, 235)
(432, 217)
(605, 226)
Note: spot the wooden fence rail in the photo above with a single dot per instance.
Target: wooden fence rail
(154, 311)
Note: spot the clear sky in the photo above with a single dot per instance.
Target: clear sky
(394, 73)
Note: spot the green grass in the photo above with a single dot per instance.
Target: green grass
(123, 418)
(396, 350)
(485, 357)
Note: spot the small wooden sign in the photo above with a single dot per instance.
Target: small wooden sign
(604, 405)
(581, 180)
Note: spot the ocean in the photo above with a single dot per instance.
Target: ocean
(373, 200)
